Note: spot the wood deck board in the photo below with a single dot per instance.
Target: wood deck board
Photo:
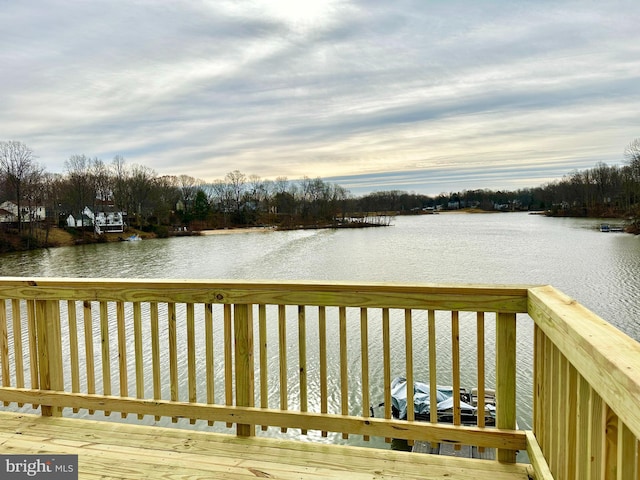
(125, 451)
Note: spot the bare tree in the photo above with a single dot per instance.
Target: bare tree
(632, 155)
(166, 197)
(141, 184)
(79, 172)
(19, 170)
(257, 192)
(632, 151)
(281, 184)
(236, 181)
(188, 187)
(120, 177)
(52, 188)
(101, 180)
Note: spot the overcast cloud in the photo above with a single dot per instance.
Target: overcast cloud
(425, 96)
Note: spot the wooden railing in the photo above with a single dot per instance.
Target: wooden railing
(586, 392)
(316, 356)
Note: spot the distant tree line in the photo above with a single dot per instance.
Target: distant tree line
(600, 191)
(163, 203)
(166, 203)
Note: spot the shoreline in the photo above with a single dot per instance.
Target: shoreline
(232, 231)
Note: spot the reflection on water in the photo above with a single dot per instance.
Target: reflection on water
(598, 269)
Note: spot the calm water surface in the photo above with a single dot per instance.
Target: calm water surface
(600, 270)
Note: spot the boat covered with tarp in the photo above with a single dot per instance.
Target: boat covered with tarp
(445, 398)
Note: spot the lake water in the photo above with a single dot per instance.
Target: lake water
(600, 270)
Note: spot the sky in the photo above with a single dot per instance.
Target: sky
(424, 96)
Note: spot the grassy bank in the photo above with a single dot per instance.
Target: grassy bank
(13, 241)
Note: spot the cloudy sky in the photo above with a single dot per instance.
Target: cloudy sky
(425, 96)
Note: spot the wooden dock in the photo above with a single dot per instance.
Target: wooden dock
(110, 450)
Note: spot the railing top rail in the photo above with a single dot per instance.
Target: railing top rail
(503, 298)
(606, 357)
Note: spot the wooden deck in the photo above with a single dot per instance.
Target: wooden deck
(310, 357)
(110, 450)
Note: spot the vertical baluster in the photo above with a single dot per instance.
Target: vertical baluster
(637, 477)
(611, 444)
(106, 356)
(597, 427)
(583, 434)
(302, 359)
(561, 416)
(364, 351)
(548, 400)
(554, 400)
(228, 358)
(455, 367)
(506, 378)
(322, 340)
(4, 347)
(572, 419)
(386, 364)
(538, 377)
(191, 356)
(433, 377)
(137, 338)
(88, 349)
(55, 349)
(282, 348)
(480, 387)
(344, 365)
(626, 452)
(33, 345)
(408, 339)
(173, 354)
(264, 355)
(16, 315)
(155, 352)
(481, 368)
(243, 333)
(73, 348)
(122, 353)
(208, 328)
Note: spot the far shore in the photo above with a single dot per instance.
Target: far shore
(228, 231)
(469, 210)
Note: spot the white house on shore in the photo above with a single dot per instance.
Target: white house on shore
(102, 222)
(9, 213)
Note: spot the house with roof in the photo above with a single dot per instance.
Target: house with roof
(6, 216)
(9, 212)
(102, 222)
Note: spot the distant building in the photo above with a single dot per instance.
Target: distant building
(9, 212)
(6, 216)
(102, 222)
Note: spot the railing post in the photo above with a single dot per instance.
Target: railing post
(506, 378)
(5, 372)
(49, 351)
(243, 338)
